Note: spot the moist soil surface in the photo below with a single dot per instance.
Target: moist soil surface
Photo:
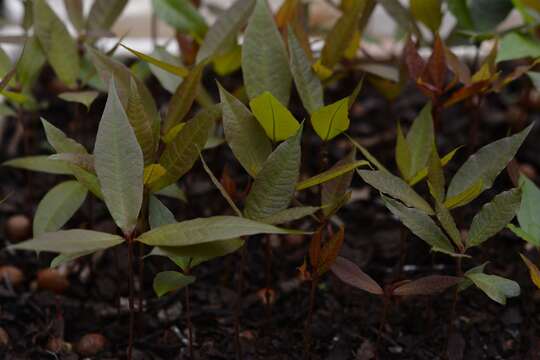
(37, 323)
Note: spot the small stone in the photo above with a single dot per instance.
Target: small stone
(58, 345)
(91, 344)
(4, 338)
(18, 228)
(12, 274)
(53, 280)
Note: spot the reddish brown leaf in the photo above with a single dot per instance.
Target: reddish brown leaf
(426, 285)
(460, 69)
(435, 70)
(466, 92)
(228, 183)
(413, 60)
(330, 251)
(351, 274)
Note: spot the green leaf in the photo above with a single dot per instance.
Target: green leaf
(141, 123)
(331, 174)
(333, 190)
(220, 187)
(275, 184)
(119, 164)
(529, 209)
(158, 213)
(276, 120)
(181, 154)
(202, 252)
(265, 65)
(494, 216)
(524, 235)
(448, 224)
(516, 46)
(436, 180)
(290, 214)
(183, 98)
(104, 13)
(402, 153)
(181, 15)
(59, 47)
(59, 141)
(84, 161)
(30, 63)
(74, 9)
(166, 79)
(168, 281)
(65, 258)
(70, 241)
(204, 230)
(487, 163)
(109, 68)
(427, 12)
(174, 69)
(392, 185)
(495, 287)
(369, 157)
(465, 196)
(87, 179)
(466, 282)
(460, 10)
(173, 191)
(487, 14)
(401, 16)
(339, 38)
(307, 82)
(331, 120)
(244, 135)
(421, 139)
(225, 30)
(421, 225)
(82, 97)
(58, 206)
(40, 163)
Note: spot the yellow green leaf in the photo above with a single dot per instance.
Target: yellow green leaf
(423, 173)
(533, 270)
(173, 69)
(276, 120)
(331, 120)
(330, 174)
(428, 12)
(403, 153)
(465, 197)
(169, 136)
(152, 173)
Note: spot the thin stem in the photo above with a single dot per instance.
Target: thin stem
(268, 276)
(309, 321)
(402, 251)
(238, 308)
(188, 319)
(459, 273)
(384, 315)
(129, 239)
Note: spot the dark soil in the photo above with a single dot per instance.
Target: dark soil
(345, 321)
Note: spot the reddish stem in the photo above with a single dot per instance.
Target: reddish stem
(129, 239)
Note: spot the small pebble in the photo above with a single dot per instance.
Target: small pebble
(53, 280)
(12, 274)
(18, 228)
(91, 344)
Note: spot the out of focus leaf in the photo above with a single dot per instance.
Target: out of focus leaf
(533, 270)
(59, 47)
(516, 46)
(74, 9)
(30, 63)
(181, 15)
(529, 209)
(40, 163)
(331, 174)
(290, 214)
(104, 13)
(158, 213)
(265, 65)
(307, 83)
(168, 281)
(174, 69)
(82, 97)
(427, 12)
(225, 29)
